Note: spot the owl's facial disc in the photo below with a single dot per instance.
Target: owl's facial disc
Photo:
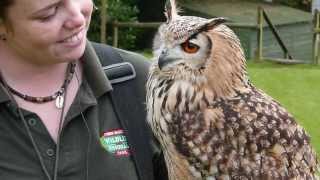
(192, 53)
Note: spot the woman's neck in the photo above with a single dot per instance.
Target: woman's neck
(31, 79)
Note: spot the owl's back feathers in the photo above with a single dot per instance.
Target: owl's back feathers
(248, 136)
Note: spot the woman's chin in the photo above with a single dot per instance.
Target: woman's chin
(71, 53)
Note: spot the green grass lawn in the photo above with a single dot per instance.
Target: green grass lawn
(296, 87)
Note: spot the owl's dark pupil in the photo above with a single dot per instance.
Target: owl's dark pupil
(191, 46)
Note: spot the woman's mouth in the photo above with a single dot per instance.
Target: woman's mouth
(75, 39)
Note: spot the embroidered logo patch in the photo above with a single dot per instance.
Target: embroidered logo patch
(115, 142)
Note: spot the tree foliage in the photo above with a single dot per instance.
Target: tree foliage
(117, 10)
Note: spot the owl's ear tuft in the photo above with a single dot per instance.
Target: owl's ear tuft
(214, 22)
(171, 10)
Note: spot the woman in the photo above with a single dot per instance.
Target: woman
(59, 113)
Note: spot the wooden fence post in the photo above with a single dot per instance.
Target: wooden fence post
(103, 25)
(115, 33)
(259, 35)
(316, 31)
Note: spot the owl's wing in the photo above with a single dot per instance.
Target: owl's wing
(250, 133)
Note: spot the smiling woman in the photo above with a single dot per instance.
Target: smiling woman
(43, 30)
(56, 106)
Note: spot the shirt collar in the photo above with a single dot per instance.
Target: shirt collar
(4, 97)
(92, 68)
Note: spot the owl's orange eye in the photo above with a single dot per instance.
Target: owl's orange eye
(189, 47)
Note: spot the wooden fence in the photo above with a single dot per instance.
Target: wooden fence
(316, 38)
(261, 18)
(116, 25)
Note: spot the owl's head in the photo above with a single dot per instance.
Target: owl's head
(189, 47)
(183, 39)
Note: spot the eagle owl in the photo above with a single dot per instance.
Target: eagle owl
(211, 122)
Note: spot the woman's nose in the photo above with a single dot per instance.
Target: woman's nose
(75, 18)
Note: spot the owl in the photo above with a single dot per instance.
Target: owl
(212, 123)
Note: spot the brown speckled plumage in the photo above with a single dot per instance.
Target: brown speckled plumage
(213, 124)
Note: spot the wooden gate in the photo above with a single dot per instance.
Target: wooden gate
(287, 57)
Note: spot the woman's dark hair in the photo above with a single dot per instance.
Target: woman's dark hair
(4, 4)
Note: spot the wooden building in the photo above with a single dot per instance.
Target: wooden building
(294, 26)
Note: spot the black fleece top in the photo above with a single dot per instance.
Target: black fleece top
(96, 143)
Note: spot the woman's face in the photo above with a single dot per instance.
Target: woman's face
(48, 31)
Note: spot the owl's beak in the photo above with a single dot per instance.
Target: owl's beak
(165, 59)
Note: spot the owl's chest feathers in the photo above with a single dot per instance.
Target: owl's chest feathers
(171, 98)
(182, 96)
(168, 97)
(178, 115)
(180, 105)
